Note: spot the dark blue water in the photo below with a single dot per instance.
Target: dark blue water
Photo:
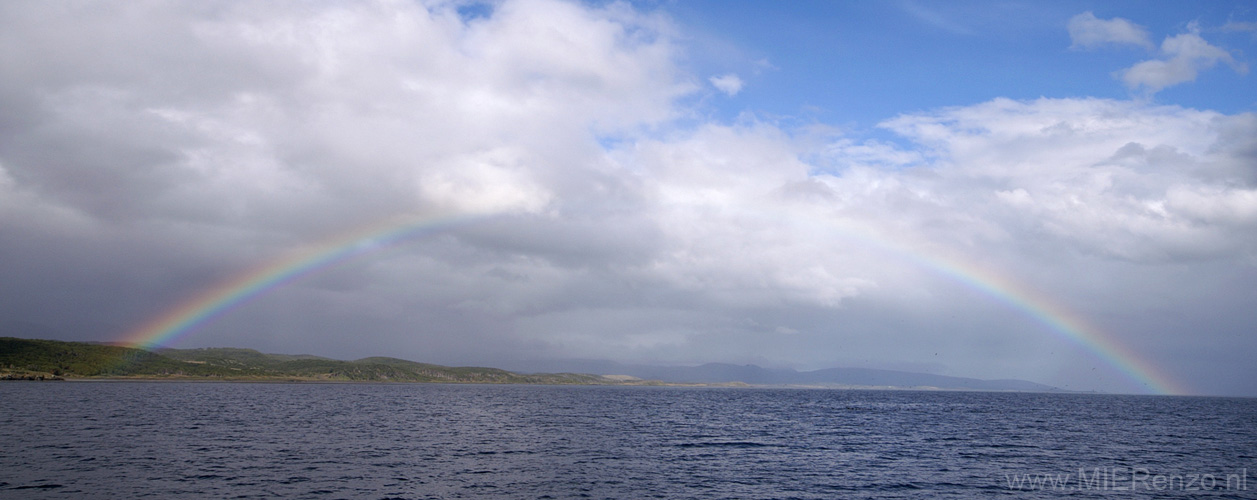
(212, 440)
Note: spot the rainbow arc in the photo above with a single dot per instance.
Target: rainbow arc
(187, 316)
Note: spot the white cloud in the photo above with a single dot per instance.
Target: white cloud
(1087, 31)
(487, 182)
(1182, 58)
(745, 220)
(345, 111)
(1111, 178)
(729, 84)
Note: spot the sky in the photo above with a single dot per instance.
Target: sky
(1062, 192)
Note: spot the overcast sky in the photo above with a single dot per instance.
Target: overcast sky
(780, 183)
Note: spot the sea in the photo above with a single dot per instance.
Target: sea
(135, 439)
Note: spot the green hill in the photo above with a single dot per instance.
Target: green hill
(81, 359)
(27, 358)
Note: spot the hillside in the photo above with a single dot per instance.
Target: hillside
(26, 358)
(81, 359)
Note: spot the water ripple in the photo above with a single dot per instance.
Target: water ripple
(207, 440)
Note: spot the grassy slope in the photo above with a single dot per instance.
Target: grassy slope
(374, 368)
(78, 359)
(95, 360)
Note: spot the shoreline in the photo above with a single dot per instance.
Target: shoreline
(654, 383)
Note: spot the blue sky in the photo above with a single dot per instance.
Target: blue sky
(791, 184)
(856, 63)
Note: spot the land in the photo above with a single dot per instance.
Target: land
(35, 359)
(841, 378)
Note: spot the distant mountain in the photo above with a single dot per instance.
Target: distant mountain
(712, 373)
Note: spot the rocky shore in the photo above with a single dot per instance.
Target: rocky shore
(30, 376)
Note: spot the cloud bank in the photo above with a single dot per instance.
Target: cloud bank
(152, 150)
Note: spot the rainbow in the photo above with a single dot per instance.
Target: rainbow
(201, 309)
(1058, 319)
